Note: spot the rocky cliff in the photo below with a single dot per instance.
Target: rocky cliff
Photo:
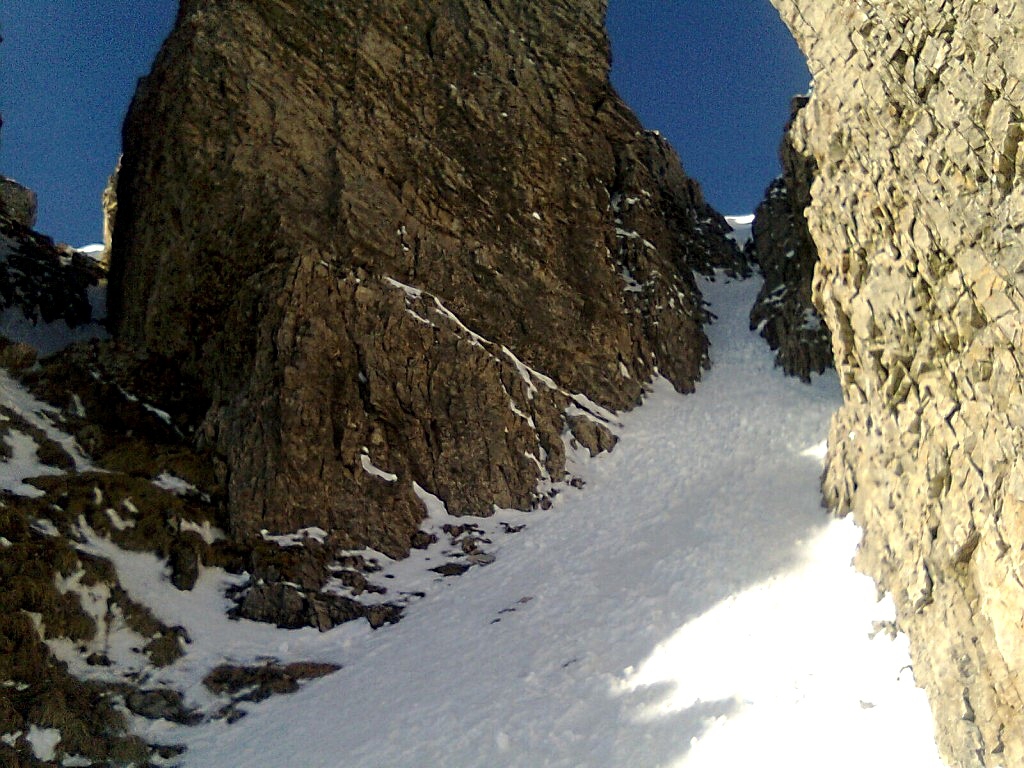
(18, 202)
(918, 212)
(784, 312)
(40, 283)
(404, 248)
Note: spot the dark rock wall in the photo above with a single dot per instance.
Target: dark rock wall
(918, 213)
(45, 282)
(399, 233)
(784, 312)
(18, 202)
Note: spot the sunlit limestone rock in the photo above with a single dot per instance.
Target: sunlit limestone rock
(401, 235)
(918, 211)
(109, 204)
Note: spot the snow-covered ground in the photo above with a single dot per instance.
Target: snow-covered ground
(691, 606)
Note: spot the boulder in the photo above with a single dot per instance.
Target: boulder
(45, 282)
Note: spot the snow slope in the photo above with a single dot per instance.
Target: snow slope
(691, 606)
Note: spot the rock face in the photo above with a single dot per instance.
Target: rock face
(109, 204)
(784, 312)
(389, 239)
(18, 202)
(44, 282)
(917, 210)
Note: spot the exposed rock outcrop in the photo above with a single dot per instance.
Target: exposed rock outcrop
(40, 282)
(784, 312)
(109, 204)
(918, 213)
(45, 282)
(18, 202)
(390, 239)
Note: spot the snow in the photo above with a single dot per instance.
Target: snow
(371, 469)
(742, 228)
(94, 250)
(294, 539)
(44, 742)
(16, 398)
(692, 606)
(174, 484)
(23, 464)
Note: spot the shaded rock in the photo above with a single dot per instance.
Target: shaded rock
(917, 212)
(291, 608)
(44, 282)
(257, 683)
(389, 239)
(277, 604)
(161, 704)
(184, 558)
(16, 356)
(451, 569)
(784, 311)
(18, 202)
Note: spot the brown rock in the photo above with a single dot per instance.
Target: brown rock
(592, 435)
(184, 558)
(109, 203)
(359, 226)
(16, 356)
(18, 202)
(784, 311)
(260, 682)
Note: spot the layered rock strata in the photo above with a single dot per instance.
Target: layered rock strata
(918, 213)
(392, 241)
(784, 312)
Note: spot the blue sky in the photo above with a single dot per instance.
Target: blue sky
(714, 76)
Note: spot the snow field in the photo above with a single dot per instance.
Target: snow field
(692, 606)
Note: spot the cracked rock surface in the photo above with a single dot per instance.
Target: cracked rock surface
(401, 245)
(917, 211)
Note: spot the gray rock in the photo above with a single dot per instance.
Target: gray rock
(161, 704)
